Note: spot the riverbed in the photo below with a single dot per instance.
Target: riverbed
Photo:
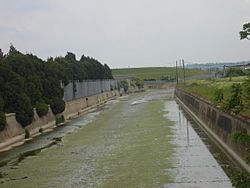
(141, 140)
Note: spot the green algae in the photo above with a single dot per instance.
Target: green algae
(126, 146)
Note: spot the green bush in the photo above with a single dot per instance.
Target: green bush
(27, 133)
(57, 105)
(24, 110)
(232, 72)
(241, 137)
(241, 180)
(24, 118)
(235, 101)
(218, 96)
(42, 109)
(1, 104)
(248, 156)
(2, 121)
(123, 84)
(60, 119)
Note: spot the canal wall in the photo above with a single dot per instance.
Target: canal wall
(14, 133)
(218, 125)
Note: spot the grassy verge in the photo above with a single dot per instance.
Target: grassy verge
(207, 89)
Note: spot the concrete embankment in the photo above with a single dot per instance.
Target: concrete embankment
(14, 134)
(218, 125)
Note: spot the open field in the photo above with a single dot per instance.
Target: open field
(154, 72)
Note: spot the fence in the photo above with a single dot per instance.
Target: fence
(76, 89)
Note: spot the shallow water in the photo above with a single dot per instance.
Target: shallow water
(194, 164)
(144, 140)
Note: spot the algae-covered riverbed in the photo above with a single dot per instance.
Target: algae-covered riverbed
(134, 141)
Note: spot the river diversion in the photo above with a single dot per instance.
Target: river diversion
(141, 140)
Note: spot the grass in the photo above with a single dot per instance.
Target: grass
(154, 72)
(207, 88)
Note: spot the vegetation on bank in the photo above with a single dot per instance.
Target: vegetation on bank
(154, 73)
(229, 94)
(28, 82)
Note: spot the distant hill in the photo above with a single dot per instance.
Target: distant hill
(157, 73)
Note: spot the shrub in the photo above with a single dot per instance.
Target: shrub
(241, 137)
(24, 118)
(1, 104)
(40, 130)
(42, 109)
(124, 84)
(232, 72)
(235, 102)
(24, 110)
(27, 133)
(60, 119)
(241, 180)
(57, 105)
(248, 156)
(2, 121)
(218, 96)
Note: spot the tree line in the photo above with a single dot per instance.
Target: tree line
(28, 82)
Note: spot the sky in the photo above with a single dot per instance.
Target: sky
(128, 33)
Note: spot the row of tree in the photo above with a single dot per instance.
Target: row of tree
(28, 82)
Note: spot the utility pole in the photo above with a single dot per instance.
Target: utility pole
(177, 72)
(184, 72)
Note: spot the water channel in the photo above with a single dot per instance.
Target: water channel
(141, 140)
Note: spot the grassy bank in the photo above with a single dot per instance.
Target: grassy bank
(207, 90)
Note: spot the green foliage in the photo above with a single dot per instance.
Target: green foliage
(241, 180)
(24, 110)
(1, 104)
(60, 120)
(57, 105)
(236, 94)
(2, 121)
(246, 92)
(241, 137)
(235, 102)
(248, 155)
(137, 82)
(27, 81)
(124, 84)
(218, 96)
(245, 33)
(26, 133)
(232, 72)
(42, 109)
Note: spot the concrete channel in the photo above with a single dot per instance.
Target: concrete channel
(141, 140)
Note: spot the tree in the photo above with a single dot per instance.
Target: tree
(245, 33)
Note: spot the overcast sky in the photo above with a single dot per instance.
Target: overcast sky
(128, 33)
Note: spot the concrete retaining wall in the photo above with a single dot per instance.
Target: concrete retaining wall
(14, 132)
(218, 124)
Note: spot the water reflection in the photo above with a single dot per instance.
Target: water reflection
(194, 165)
